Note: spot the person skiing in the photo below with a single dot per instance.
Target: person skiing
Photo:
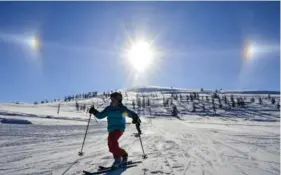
(116, 113)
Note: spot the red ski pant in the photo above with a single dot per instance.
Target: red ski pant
(113, 145)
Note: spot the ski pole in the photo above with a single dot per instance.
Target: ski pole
(94, 117)
(144, 156)
(81, 152)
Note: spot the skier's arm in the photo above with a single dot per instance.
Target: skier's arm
(133, 116)
(99, 115)
(136, 119)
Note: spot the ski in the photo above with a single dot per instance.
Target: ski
(122, 165)
(108, 170)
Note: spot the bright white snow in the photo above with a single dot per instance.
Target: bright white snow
(240, 141)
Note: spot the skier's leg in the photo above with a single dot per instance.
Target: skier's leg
(113, 144)
(121, 152)
(113, 148)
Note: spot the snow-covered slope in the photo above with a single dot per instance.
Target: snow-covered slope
(237, 141)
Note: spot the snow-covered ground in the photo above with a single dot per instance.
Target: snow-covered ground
(238, 141)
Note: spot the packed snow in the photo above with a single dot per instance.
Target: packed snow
(240, 140)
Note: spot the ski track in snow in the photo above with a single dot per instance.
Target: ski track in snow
(193, 145)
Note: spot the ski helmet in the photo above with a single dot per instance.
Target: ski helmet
(117, 96)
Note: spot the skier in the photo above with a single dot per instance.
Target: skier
(116, 113)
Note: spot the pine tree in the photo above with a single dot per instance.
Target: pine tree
(193, 107)
(171, 102)
(260, 101)
(214, 108)
(175, 111)
(77, 106)
(134, 104)
(229, 106)
(252, 100)
(143, 102)
(219, 100)
(272, 101)
(150, 112)
(225, 99)
(233, 104)
(232, 101)
(138, 103)
(220, 105)
(238, 101)
(203, 107)
(243, 103)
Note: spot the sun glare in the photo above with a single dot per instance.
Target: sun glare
(249, 51)
(253, 50)
(140, 55)
(33, 42)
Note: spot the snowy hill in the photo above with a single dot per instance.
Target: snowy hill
(232, 132)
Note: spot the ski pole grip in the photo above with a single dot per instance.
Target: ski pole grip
(138, 128)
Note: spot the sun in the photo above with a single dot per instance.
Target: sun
(140, 55)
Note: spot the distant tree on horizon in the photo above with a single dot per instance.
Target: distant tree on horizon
(260, 101)
(272, 101)
(175, 111)
(203, 107)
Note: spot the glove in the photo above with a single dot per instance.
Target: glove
(138, 129)
(92, 110)
(136, 120)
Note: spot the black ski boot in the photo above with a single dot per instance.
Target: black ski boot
(124, 159)
(117, 162)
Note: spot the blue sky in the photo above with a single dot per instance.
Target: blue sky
(81, 46)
